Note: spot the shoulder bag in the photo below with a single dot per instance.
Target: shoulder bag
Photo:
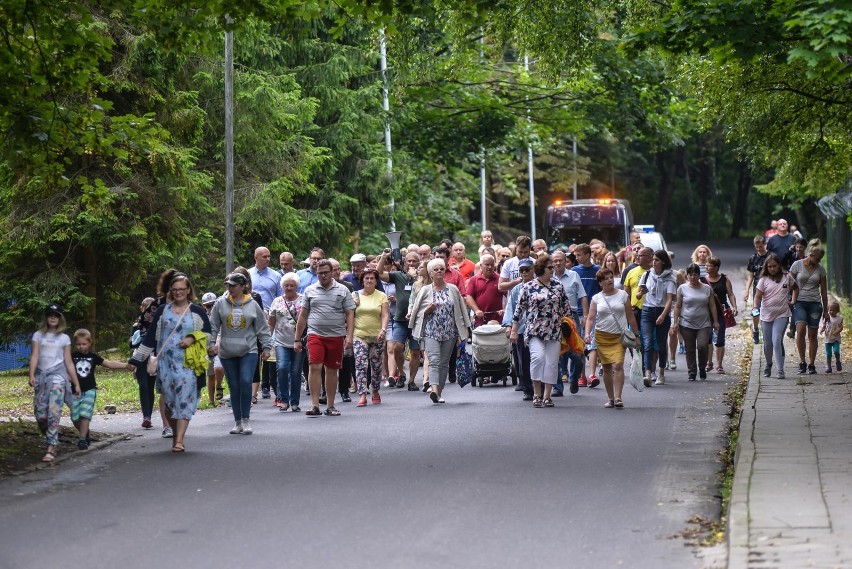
(304, 339)
(152, 359)
(628, 337)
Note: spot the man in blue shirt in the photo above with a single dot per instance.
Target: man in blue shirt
(264, 279)
(308, 276)
(588, 276)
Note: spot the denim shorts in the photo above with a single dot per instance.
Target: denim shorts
(401, 332)
(807, 311)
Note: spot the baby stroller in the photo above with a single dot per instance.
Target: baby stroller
(492, 355)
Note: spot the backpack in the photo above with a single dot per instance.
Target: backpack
(571, 340)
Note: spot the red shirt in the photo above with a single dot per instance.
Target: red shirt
(489, 300)
(466, 268)
(452, 276)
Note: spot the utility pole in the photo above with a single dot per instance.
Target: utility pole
(482, 196)
(229, 147)
(530, 165)
(575, 169)
(386, 107)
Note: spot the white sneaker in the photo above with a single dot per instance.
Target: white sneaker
(660, 380)
(246, 427)
(672, 364)
(167, 433)
(238, 428)
(441, 400)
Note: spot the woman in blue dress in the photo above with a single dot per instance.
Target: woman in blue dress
(173, 330)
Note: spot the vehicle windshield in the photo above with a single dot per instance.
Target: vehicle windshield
(612, 236)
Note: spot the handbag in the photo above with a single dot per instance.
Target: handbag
(730, 320)
(304, 339)
(464, 365)
(628, 337)
(152, 359)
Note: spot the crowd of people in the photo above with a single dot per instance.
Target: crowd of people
(351, 333)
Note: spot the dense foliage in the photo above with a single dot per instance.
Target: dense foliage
(112, 122)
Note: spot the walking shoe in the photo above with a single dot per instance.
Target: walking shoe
(313, 412)
(780, 374)
(755, 336)
(583, 381)
(660, 380)
(803, 367)
(767, 372)
(376, 398)
(441, 399)
(811, 369)
(238, 428)
(527, 397)
(672, 364)
(594, 381)
(167, 433)
(646, 381)
(146, 423)
(828, 369)
(433, 396)
(791, 334)
(83, 444)
(265, 393)
(413, 386)
(555, 393)
(691, 376)
(519, 388)
(284, 408)
(839, 366)
(323, 400)
(389, 382)
(400, 383)
(574, 387)
(426, 386)
(681, 348)
(246, 427)
(352, 388)
(295, 409)
(345, 397)
(702, 375)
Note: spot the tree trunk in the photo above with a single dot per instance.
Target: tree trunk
(90, 316)
(666, 169)
(744, 184)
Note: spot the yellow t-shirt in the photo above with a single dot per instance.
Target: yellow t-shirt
(368, 314)
(632, 281)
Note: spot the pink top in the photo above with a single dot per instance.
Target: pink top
(774, 304)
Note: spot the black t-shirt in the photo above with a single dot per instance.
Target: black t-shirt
(755, 265)
(85, 364)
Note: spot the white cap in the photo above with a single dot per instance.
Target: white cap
(358, 258)
(208, 298)
(307, 262)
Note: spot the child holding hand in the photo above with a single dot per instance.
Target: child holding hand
(51, 371)
(83, 404)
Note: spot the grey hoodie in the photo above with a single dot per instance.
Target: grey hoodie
(241, 324)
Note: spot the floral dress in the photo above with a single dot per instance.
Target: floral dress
(544, 306)
(177, 382)
(441, 324)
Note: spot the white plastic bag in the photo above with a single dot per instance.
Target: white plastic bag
(636, 377)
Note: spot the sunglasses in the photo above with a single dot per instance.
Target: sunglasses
(525, 269)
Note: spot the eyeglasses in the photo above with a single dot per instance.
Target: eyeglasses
(439, 270)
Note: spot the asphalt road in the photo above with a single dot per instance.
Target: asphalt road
(485, 480)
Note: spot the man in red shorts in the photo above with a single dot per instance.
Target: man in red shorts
(328, 311)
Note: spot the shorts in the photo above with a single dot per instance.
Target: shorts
(401, 332)
(807, 311)
(84, 406)
(325, 351)
(718, 338)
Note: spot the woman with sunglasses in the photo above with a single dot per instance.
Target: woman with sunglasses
(440, 317)
(545, 302)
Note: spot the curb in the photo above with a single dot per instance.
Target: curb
(74, 453)
(738, 510)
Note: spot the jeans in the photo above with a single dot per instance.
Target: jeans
(439, 353)
(696, 339)
(239, 372)
(832, 346)
(654, 336)
(773, 341)
(289, 374)
(146, 389)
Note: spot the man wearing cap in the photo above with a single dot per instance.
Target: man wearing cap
(328, 312)
(400, 332)
(308, 275)
(264, 279)
(520, 351)
(357, 264)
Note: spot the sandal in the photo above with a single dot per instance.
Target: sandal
(220, 393)
(720, 370)
(313, 412)
(178, 447)
(619, 404)
(254, 400)
(610, 404)
(537, 403)
(48, 457)
(362, 402)
(548, 402)
(332, 412)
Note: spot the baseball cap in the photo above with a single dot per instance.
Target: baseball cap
(208, 298)
(527, 262)
(358, 258)
(53, 308)
(236, 279)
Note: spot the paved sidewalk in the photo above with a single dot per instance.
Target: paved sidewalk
(791, 501)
